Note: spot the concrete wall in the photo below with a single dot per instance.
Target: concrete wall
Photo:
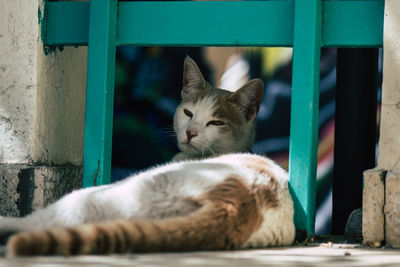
(381, 196)
(389, 143)
(42, 97)
(18, 79)
(42, 100)
(60, 102)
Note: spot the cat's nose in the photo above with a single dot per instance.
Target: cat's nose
(190, 134)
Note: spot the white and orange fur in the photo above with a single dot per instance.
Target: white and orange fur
(227, 202)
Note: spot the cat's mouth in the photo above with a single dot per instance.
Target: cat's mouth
(189, 147)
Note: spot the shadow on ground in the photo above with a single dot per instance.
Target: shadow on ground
(325, 251)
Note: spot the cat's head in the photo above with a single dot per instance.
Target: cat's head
(212, 121)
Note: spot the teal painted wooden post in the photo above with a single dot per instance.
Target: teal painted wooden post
(100, 92)
(346, 23)
(304, 111)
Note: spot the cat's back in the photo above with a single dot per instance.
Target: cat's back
(202, 174)
(168, 190)
(194, 177)
(254, 168)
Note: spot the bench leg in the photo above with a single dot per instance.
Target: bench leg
(304, 112)
(100, 92)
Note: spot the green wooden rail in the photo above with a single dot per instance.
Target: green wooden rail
(305, 25)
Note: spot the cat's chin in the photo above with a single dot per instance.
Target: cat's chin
(189, 149)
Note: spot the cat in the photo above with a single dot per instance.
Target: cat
(224, 202)
(210, 121)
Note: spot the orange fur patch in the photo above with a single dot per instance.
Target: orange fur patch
(267, 193)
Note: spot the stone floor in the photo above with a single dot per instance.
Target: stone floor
(318, 253)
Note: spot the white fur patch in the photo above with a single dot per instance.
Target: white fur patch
(163, 192)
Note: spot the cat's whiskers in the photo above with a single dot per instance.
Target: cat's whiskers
(212, 148)
(168, 138)
(212, 152)
(169, 134)
(202, 146)
(169, 130)
(221, 148)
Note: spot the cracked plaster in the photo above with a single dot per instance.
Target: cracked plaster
(42, 97)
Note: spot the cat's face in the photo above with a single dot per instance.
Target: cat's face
(211, 121)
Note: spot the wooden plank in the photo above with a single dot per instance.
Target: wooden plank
(100, 92)
(304, 111)
(67, 23)
(208, 23)
(352, 23)
(356, 23)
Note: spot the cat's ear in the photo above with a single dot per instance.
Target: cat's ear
(193, 80)
(249, 98)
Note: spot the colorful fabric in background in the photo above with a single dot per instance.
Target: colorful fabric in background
(148, 84)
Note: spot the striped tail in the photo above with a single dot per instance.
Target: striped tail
(228, 215)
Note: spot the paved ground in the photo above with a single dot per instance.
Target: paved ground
(321, 253)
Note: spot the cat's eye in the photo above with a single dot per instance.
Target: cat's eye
(216, 123)
(188, 113)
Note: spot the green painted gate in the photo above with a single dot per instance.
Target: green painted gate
(305, 25)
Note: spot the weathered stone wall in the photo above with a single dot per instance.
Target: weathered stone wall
(42, 102)
(18, 85)
(389, 144)
(373, 221)
(26, 188)
(60, 115)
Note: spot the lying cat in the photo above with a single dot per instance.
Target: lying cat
(211, 121)
(225, 202)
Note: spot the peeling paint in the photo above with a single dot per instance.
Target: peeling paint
(96, 174)
(40, 17)
(42, 20)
